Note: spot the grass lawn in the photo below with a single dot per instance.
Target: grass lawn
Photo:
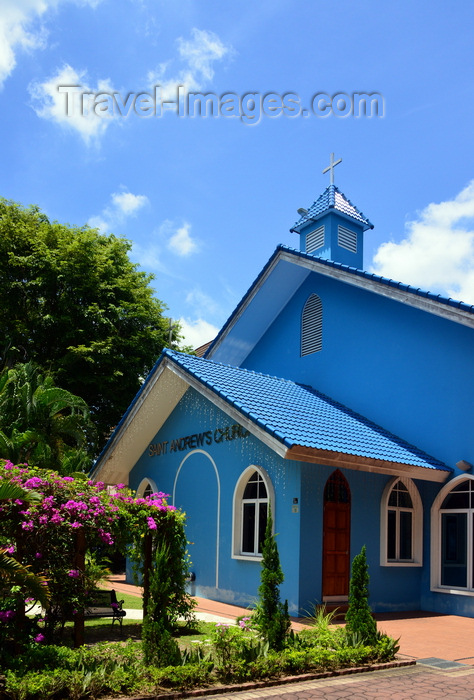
(103, 631)
(131, 602)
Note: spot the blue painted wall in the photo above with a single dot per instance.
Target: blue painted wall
(331, 250)
(391, 588)
(204, 480)
(407, 370)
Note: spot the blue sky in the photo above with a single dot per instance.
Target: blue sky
(205, 200)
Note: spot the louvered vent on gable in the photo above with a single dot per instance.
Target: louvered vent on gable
(347, 239)
(312, 326)
(315, 240)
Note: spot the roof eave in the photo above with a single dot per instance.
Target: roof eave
(367, 464)
(300, 225)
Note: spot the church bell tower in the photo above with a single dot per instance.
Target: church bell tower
(333, 228)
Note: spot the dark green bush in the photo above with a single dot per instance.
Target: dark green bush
(182, 677)
(359, 620)
(271, 615)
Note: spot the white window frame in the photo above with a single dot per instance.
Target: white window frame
(142, 487)
(237, 510)
(436, 539)
(417, 524)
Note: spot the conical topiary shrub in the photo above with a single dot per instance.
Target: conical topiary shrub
(271, 615)
(359, 620)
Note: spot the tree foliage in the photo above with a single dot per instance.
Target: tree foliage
(12, 572)
(73, 302)
(51, 536)
(42, 424)
(271, 615)
(359, 620)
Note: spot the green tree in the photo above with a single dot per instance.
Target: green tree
(73, 302)
(42, 424)
(271, 615)
(359, 620)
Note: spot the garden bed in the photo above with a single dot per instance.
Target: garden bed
(214, 658)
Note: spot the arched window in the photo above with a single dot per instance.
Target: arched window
(401, 524)
(312, 326)
(251, 498)
(146, 488)
(456, 523)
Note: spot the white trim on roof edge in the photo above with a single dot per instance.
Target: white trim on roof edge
(373, 285)
(432, 306)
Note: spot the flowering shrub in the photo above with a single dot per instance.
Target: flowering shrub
(76, 515)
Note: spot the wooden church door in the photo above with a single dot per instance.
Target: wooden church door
(336, 538)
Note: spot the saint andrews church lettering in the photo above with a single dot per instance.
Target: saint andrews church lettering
(192, 442)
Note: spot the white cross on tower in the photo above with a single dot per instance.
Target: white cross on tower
(331, 167)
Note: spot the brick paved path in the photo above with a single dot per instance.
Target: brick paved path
(409, 683)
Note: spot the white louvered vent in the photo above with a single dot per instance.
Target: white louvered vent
(312, 326)
(315, 240)
(347, 239)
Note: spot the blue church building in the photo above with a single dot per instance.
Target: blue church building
(341, 398)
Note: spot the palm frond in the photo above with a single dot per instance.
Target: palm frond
(12, 572)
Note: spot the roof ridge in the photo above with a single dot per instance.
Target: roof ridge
(418, 291)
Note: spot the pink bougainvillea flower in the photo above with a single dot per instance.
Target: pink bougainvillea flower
(6, 615)
(33, 483)
(56, 518)
(151, 523)
(74, 573)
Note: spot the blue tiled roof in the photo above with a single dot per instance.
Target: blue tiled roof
(299, 415)
(332, 198)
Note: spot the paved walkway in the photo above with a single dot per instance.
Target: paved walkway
(422, 635)
(441, 645)
(409, 683)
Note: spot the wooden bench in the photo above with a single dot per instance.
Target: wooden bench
(105, 604)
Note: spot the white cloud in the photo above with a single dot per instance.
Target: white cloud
(68, 100)
(124, 205)
(202, 303)
(167, 237)
(197, 332)
(58, 101)
(128, 203)
(438, 251)
(197, 56)
(181, 242)
(21, 29)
